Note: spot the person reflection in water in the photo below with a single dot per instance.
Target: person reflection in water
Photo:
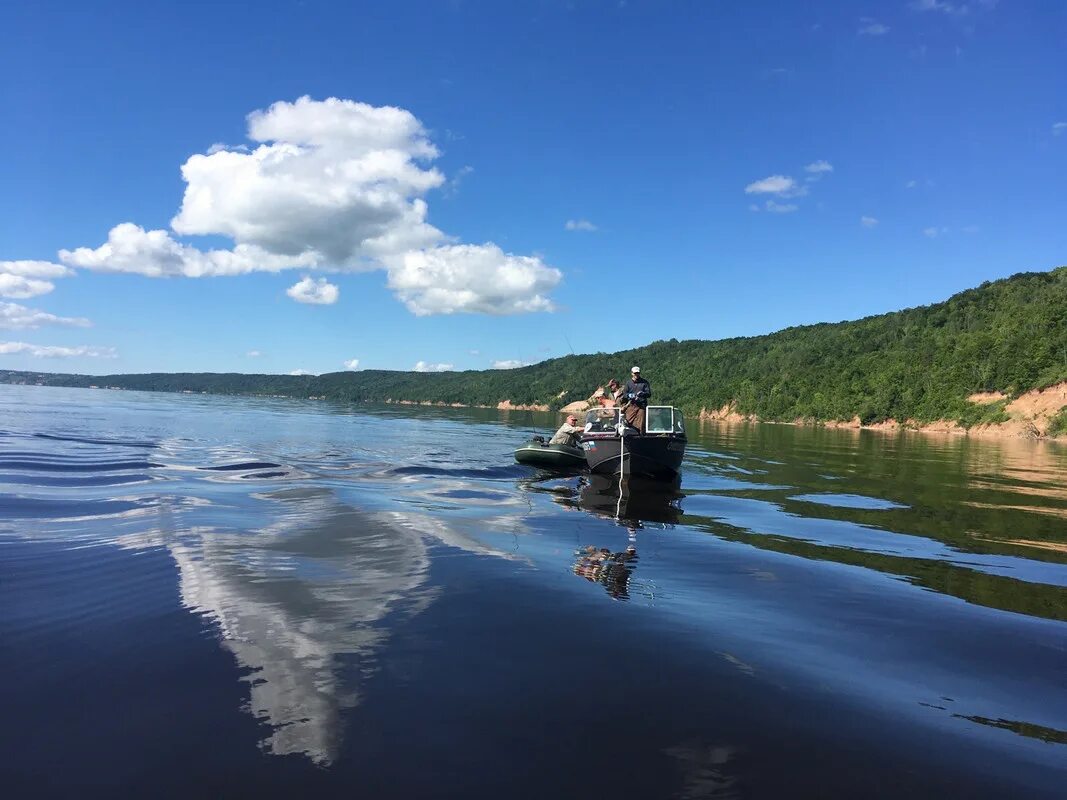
(611, 570)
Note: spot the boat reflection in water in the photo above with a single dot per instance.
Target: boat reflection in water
(632, 501)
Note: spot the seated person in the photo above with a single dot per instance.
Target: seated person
(592, 422)
(568, 432)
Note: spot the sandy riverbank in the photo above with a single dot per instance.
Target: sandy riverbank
(1030, 415)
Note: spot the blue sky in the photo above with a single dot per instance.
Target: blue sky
(726, 169)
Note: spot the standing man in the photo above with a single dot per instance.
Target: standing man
(637, 392)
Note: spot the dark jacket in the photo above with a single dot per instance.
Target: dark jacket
(637, 390)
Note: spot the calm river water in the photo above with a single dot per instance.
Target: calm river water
(210, 596)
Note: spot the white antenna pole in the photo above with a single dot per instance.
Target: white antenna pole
(621, 427)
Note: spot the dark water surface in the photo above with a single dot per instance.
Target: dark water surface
(279, 598)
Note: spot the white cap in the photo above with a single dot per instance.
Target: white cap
(635, 369)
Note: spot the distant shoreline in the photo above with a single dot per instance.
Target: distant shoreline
(1029, 414)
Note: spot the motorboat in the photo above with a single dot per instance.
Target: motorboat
(613, 447)
(539, 453)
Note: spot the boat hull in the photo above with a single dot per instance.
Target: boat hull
(649, 455)
(550, 456)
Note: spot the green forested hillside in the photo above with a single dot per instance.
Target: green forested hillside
(921, 363)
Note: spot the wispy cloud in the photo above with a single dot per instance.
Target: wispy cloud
(1058, 128)
(780, 208)
(16, 317)
(426, 366)
(452, 186)
(48, 351)
(786, 187)
(933, 231)
(580, 225)
(510, 363)
(253, 354)
(317, 291)
(352, 363)
(779, 185)
(872, 27)
(778, 72)
(301, 372)
(952, 9)
(868, 222)
(817, 169)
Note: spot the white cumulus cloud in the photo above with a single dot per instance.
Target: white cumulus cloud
(35, 269)
(318, 291)
(510, 363)
(352, 363)
(335, 178)
(14, 316)
(868, 222)
(130, 248)
(425, 366)
(471, 278)
(23, 279)
(332, 185)
(301, 372)
(49, 351)
(579, 225)
(781, 185)
(19, 288)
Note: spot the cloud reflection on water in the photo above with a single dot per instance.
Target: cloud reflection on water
(322, 584)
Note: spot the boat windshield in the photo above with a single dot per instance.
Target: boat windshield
(601, 420)
(658, 419)
(663, 419)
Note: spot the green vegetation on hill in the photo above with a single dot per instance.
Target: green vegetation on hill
(921, 363)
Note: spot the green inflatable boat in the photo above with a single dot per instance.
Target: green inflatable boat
(539, 453)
